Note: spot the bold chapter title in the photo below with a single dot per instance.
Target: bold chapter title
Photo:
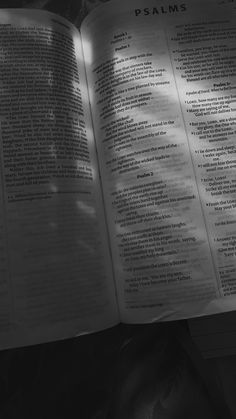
(161, 10)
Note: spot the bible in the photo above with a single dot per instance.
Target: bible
(118, 192)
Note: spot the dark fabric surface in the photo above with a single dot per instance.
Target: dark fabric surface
(126, 372)
(73, 10)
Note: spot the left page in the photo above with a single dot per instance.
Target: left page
(55, 265)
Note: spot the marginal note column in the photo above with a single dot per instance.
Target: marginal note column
(203, 56)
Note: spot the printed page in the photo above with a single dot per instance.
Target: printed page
(162, 89)
(56, 274)
(215, 335)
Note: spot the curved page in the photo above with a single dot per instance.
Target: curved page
(56, 275)
(162, 86)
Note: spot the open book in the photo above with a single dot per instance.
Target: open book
(118, 187)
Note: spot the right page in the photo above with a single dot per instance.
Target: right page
(162, 91)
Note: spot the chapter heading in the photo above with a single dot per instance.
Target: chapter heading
(171, 8)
